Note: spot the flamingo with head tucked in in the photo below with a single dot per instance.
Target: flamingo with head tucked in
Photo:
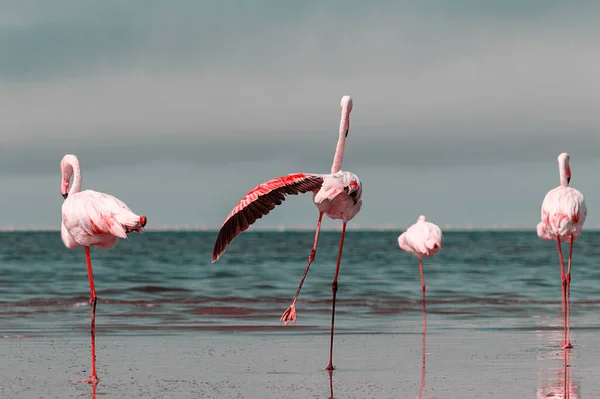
(423, 239)
(337, 195)
(563, 214)
(90, 218)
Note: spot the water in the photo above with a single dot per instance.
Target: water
(165, 283)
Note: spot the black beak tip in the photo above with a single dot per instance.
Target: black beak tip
(65, 195)
(347, 132)
(568, 180)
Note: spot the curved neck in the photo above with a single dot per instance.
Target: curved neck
(562, 168)
(76, 186)
(339, 151)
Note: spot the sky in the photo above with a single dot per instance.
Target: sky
(179, 108)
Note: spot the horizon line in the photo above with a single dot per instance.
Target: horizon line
(283, 229)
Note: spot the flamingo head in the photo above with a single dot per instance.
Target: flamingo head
(66, 167)
(564, 164)
(346, 105)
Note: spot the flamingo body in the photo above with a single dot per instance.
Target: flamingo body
(563, 214)
(96, 219)
(423, 239)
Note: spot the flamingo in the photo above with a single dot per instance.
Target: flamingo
(90, 218)
(423, 239)
(337, 195)
(563, 214)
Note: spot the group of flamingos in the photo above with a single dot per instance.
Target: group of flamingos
(90, 218)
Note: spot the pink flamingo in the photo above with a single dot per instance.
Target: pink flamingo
(90, 218)
(422, 239)
(338, 195)
(563, 214)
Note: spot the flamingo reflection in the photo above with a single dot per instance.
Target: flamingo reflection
(556, 382)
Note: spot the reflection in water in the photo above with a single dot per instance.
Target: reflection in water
(556, 382)
(94, 385)
(423, 352)
(330, 384)
(423, 348)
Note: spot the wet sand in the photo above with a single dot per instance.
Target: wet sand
(469, 363)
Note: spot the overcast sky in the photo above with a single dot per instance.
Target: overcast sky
(179, 108)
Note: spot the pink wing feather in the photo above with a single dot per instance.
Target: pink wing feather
(93, 218)
(259, 202)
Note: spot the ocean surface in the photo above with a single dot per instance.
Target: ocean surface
(164, 283)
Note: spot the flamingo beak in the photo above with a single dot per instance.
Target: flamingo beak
(65, 195)
(568, 180)
(347, 130)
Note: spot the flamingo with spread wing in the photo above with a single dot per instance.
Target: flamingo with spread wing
(337, 195)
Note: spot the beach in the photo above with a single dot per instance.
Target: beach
(287, 364)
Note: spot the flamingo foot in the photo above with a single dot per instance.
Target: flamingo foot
(568, 346)
(289, 315)
(330, 367)
(92, 380)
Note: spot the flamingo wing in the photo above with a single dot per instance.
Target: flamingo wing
(93, 213)
(260, 201)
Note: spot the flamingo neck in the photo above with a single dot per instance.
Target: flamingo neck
(563, 175)
(76, 186)
(339, 154)
(339, 151)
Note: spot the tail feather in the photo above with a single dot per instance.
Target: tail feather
(127, 222)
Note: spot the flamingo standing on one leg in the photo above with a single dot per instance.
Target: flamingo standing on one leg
(90, 218)
(422, 239)
(563, 214)
(338, 195)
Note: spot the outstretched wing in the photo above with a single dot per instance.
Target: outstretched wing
(259, 202)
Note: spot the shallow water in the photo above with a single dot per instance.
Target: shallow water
(171, 324)
(165, 282)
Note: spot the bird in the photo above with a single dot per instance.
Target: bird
(563, 214)
(423, 239)
(337, 195)
(91, 218)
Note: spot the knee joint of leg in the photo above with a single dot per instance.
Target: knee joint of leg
(334, 286)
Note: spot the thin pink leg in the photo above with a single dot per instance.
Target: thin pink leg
(94, 378)
(422, 276)
(334, 288)
(290, 313)
(564, 290)
(568, 296)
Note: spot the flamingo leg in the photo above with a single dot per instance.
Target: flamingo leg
(422, 276)
(568, 295)
(94, 378)
(564, 290)
(290, 313)
(334, 288)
